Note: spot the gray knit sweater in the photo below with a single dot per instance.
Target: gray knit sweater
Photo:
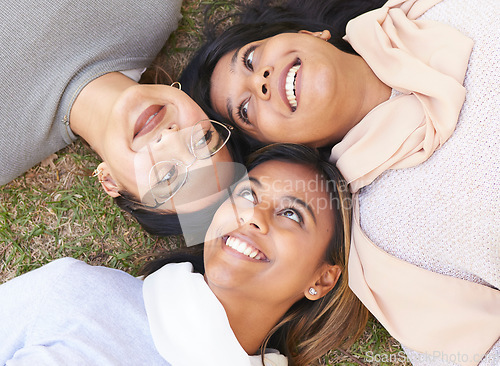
(51, 49)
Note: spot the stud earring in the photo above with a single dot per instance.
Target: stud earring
(312, 291)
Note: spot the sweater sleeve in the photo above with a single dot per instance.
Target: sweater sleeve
(22, 299)
(68, 310)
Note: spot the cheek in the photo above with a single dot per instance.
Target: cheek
(224, 221)
(189, 115)
(299, 257)
(139, 173)
(271, 126)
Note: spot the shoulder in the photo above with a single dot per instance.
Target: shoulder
(69, 278)
(77, 274)
(471, 17)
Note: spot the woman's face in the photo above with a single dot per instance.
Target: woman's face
(276, 246)
(287, 88)
(150, 124)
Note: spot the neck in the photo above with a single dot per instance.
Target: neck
(366, 90)
(92, 108)
(373, 91)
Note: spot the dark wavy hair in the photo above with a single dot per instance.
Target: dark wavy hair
(309, 329)
(257, 20)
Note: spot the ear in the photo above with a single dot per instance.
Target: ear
(325, 282)
(107, 182)
(325, 35)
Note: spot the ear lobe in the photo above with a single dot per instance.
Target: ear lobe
(325, 35)
(327, 280)
(107, 182)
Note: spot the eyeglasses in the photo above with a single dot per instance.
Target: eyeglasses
(167, 177)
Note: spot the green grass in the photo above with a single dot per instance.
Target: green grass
(58, 210)
(53, 212)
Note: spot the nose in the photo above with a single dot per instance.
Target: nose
(257, 219)
(260, 83)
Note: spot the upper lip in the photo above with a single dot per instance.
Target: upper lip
(282, 81)
(149, 119)
(247, 240)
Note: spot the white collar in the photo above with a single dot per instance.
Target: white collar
(189, 324)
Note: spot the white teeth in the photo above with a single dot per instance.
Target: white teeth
(150, 118)
(290, 85)
(242, 247)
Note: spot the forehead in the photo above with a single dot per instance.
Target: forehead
(293, 182)
(279, 173)
(277, 177)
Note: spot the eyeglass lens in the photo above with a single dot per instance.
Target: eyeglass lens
(167, 177)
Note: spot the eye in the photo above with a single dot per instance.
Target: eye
(167, 174)
(292, 215)
(242, 112)
(204, 140)
(248, 57)
(247, 194)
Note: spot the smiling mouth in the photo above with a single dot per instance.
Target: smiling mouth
(149, 119)
(290, 90)
(244, 248)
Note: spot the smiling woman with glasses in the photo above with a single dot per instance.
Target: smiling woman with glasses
(60, 94)
(177, 166)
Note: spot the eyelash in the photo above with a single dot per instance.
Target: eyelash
(300, 218)
(243, 190)
(244, 58)
(296, 212)
(242, 110)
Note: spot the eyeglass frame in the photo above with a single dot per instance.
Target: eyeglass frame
(228, 128)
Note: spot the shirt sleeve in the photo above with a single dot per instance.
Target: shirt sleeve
(22, 300)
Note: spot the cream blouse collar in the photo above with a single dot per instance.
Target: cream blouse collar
(188, 323)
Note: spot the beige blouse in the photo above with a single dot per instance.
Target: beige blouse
(422, 309)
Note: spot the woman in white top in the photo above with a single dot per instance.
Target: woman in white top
(271, 274)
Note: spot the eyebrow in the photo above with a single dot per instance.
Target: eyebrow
(291, 198)
(229, 108)
(234, 58)
(229, 103)
(255, 181)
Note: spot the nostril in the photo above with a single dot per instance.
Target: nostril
(266, 74)
(264, 89)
